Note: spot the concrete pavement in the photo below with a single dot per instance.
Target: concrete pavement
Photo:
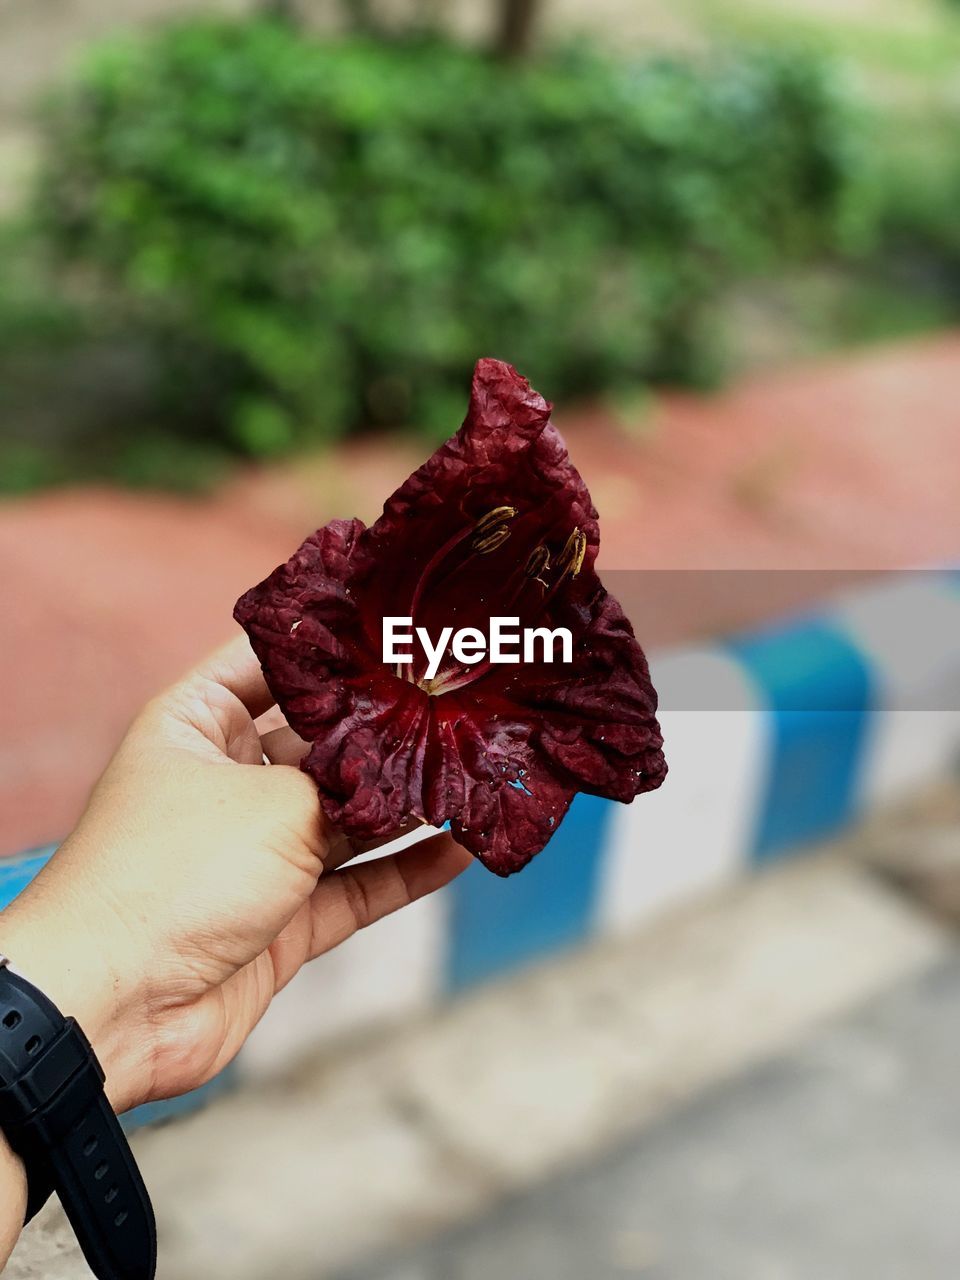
(381, 1146)
(839, 1160)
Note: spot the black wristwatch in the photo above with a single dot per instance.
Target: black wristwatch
(56, 1117)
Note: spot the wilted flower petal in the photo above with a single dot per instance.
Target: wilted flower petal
(497, 523)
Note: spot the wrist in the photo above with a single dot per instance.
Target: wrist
(13, 1206)
(72, 965)
(13, 1179)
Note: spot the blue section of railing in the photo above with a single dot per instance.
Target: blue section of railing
(498, 925)
(16, 873)
(172, 1108)
(817, 687)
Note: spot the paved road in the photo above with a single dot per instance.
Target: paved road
(840, 1161)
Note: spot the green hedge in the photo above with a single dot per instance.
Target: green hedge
(314, 235)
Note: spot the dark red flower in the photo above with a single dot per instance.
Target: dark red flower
(497, 523)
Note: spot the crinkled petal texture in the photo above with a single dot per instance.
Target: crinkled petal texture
(497, 523)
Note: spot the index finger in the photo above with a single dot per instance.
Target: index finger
(235, 667)
(352, 898)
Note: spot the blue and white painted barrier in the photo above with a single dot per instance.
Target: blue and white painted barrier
(801, 728)
(776, 740)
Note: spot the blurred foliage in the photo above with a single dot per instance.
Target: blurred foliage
(74, 391)
(308, 235)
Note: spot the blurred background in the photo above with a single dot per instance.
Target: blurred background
(249, 254)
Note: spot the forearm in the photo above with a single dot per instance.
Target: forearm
(66, 949)
(40, 937)
(13, 1200)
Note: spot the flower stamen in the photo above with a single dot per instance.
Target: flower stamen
(537, 562)
(491, 530)
(499, 515)
(442, 563)
(572, 556)
(489, 542)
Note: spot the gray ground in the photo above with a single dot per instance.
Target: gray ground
(838, 1161)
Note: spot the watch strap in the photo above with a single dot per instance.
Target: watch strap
(56, 1117)
(39, 1190)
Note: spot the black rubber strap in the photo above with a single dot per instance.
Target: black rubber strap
(56, 1117)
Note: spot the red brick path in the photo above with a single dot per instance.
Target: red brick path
(851, 464)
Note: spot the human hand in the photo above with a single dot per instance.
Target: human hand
(196, 885)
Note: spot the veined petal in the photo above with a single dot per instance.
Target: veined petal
(305, 627)
(369, 765)
(432, 544)
(596, 718)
